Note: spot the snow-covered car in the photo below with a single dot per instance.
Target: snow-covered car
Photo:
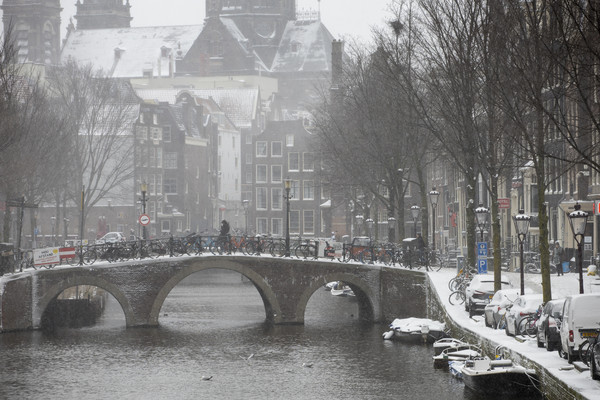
(112, 237)
(580, 321)
(494, 310)
(480, 291)
(548, 335)
(521, 308)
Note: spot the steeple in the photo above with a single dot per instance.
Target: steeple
(103, 14)
(35, 27)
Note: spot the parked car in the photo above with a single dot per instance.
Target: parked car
(548, 335)
(112, 237)
(580, 319)
(479, 292)
(494, 310)
(522, 307)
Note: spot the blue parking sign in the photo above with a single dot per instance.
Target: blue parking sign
(482, 266)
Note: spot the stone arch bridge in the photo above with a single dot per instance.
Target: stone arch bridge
(285, 286)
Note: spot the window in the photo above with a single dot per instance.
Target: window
(276, 174)
(262, 226)
(295, 190)
(261, 198)
(261, 174)
(141, 131)
(154, 119)
(293, 162)
(170, 161)
(308, 162)
(166, 134)
(170, 186)
(248, 176)
(276, 149)
(309, 190)
(155, 157)
(276, 198)
(294, 221)
(261, 149)
(289, 140)
(277, 226)
(165, 225)
(309, 221)
(248, 139)
(248, 158)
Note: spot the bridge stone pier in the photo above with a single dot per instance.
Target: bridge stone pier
(284, 284)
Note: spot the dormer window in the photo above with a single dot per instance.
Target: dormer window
(165, 51)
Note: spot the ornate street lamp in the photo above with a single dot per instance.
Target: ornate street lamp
(144, 190)
(433, 197)
(415, 210)
(370, 223)
(288, 186)
(481, 214)
(578, 222)
(521, 221)
(246, 204)
(359, 222)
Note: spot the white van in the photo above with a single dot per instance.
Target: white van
(580, 320)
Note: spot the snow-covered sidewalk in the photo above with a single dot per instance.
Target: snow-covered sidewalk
(561, 286)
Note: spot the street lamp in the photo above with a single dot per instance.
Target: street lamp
(433, 197)
(246, 204)
(370, 223)
(288, 186)
(359, 221)
(578, 222)
(481, 214)
(53, 219)
(144, 190)
(392, 229)
(415, 210)
(521, 221)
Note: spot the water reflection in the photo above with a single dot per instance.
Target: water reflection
(209, 325)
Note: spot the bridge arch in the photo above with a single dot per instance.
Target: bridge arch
(271, 304)
(53, 292)
(364, 295)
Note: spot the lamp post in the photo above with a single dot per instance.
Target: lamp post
(288, 186)
(392, 229)
(578, 222)
(66, 229)
(370, 223)
(415, 210)
(359, 221)
(521, 221)
(144, 190)
(246, 204)
(481, 214)
(433, 197)
(53, 221)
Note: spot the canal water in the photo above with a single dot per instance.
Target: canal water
(212, 324)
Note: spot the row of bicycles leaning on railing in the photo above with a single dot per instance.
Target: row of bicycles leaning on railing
(195, 244)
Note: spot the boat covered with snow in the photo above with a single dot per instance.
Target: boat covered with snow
(458, 353)
(445, 343)
(418, 329)
(500, 378)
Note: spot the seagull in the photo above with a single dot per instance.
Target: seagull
(307, 365)
(206, 378)
(247, 358)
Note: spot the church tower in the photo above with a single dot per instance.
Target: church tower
(103, 14)
(35, 28)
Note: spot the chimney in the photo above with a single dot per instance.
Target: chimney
(337, 51)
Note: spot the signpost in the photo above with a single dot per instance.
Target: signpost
(482, 252)
(144, 219)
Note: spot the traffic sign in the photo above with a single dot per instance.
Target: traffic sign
(503, 202)
(482, 249)
(482, 266)
(144, 219)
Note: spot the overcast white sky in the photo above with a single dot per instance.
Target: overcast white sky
(343, 18)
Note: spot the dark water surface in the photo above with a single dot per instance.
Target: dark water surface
(209, 325)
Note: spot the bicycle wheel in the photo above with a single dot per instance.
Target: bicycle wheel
(502, 323)
(366, 256)
(584, 352)
(435, 262)
(456, 297)
(527, 327)
(89, 256)
(277, 249)
(387, 257)
(301, 251)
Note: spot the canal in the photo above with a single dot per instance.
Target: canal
(212, 324)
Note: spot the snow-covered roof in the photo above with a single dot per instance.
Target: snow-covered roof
(131, 52)
(239, 105)
(304, 47)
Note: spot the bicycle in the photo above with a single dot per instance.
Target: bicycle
(585, 349)
(527, 326)
(306, 249)
(457, 297)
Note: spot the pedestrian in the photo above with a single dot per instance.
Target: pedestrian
(224, 235)
(557, 258)
(420, 245)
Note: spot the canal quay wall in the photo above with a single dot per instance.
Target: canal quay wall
(552, 387)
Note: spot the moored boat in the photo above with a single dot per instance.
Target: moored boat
(444, 343)
(459, 353)
(342, 290)
(500, 377)
(418, 329)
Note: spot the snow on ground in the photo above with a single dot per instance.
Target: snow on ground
(561, 286)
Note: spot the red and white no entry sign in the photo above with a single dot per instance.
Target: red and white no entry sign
(144, 219)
